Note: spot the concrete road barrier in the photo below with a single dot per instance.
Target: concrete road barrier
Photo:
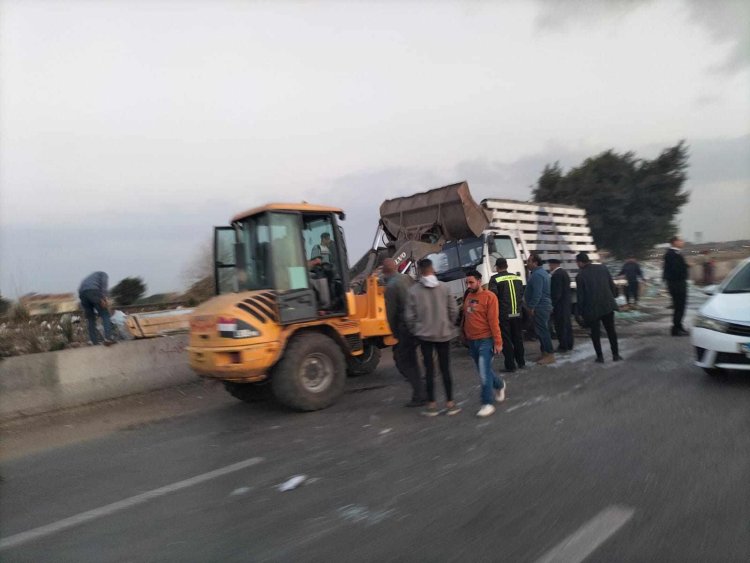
(39, 383)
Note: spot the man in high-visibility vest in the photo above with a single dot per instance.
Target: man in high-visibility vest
(509, 290)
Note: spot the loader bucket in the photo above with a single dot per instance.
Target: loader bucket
(434, 216)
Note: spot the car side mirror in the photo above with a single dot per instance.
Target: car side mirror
(710, 289)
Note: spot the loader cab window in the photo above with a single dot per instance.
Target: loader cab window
(225, 271)
(325, 261)
(274, 254)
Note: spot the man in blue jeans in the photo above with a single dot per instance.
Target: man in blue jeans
(93, 294)
(539, 303)
(481, 330)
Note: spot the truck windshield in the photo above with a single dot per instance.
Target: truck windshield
(465, 253)
(274, 255)
(503, 247)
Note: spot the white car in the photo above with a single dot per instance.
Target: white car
(721, 332)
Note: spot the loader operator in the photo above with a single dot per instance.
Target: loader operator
(323, 269)
(325, 250)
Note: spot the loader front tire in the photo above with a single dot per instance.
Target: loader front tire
(311, 374)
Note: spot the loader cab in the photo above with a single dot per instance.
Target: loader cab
(297, 253)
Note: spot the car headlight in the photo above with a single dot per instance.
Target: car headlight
(702, 321)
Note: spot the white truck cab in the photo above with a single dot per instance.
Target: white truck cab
(479, 253)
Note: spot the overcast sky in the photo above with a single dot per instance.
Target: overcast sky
(129, 128)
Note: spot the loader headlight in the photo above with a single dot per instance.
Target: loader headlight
(230, 327)
(701, 321)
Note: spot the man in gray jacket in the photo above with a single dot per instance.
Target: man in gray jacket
(405, 352)
(431, 316)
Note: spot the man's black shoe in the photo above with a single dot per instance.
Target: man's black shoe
(680, 332)
(617, 358)
(413, 403)
(599, 359)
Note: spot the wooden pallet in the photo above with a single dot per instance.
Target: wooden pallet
(159, 323)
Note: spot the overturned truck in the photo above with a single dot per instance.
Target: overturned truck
(448, 226)
(413, 227)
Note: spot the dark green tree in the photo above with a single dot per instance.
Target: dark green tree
(631, 203)
(4, 306)
(128, 291)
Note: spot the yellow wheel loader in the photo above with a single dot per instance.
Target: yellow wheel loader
(284, 319)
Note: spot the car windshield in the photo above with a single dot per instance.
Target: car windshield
(739, 282)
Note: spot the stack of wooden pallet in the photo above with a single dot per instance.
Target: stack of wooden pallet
(158, 323)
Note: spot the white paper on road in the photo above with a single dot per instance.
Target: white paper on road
(292, 483)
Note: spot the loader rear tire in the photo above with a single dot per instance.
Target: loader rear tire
(311, 374)
(364, 364)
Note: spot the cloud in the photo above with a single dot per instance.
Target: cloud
(720, 160)
(727, 22)
(559, 15)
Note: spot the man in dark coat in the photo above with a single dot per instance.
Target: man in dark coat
(596, 303)
(631, 270)
(675, 274)
(509, 291)
(405, 352)
(561, 305)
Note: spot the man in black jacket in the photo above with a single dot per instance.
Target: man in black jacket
(509, 291)
(561, 305)
(675, 274)
(631, 270)
(405, 351)
(596, 303)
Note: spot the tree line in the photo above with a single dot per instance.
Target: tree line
(631, 202)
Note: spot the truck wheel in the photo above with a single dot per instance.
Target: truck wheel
(248, 392)
(311, 374)
(364, 364)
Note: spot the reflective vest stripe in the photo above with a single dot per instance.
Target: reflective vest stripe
(512, 287)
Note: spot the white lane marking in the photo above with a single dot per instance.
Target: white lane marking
(36, 533)
(582, 543)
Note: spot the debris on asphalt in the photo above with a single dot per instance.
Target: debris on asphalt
(292, 483)
(240, 491)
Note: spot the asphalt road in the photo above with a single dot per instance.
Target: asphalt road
(643, 460)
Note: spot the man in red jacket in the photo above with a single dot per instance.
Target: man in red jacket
(482, 333)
